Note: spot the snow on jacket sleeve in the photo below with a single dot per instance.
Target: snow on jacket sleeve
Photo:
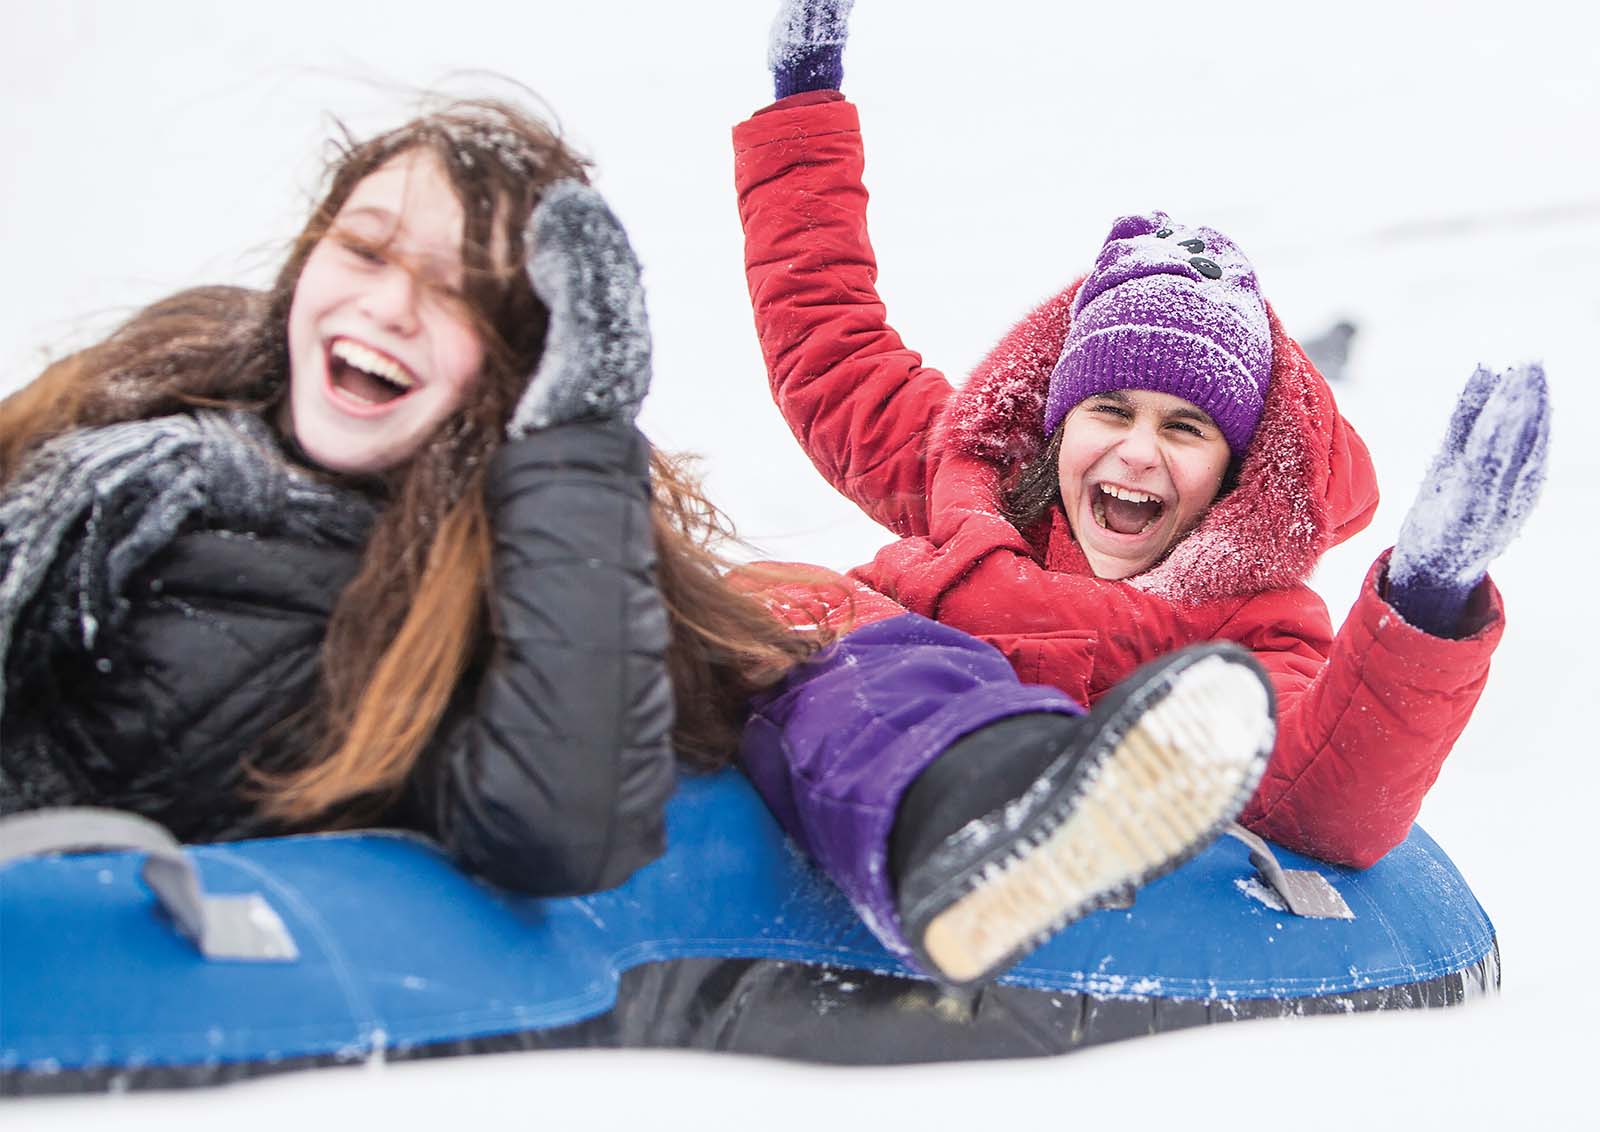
(1363, 733)
(553, 771)
(861, 404)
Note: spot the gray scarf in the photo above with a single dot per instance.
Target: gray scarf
(90, 508)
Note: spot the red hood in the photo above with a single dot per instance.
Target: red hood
(1306, 482)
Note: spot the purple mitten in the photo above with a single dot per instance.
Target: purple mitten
(1474, 498)
(806, 51)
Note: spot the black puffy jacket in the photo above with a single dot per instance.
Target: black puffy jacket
(551, 768)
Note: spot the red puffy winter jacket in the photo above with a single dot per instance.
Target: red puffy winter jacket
(1366, 716)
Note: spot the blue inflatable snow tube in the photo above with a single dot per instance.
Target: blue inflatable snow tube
(730, 941)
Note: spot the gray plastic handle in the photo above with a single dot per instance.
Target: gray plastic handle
(222, 927)
(1305, 892)
(1261, 856)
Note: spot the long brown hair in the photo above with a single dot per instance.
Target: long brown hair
(414, 618)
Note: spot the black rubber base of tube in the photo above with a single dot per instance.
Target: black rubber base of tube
(804, 1012)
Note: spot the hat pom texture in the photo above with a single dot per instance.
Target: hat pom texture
(1173, 310)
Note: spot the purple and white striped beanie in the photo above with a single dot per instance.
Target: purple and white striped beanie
(1173, 310)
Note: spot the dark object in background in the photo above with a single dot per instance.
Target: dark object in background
(1330, 350)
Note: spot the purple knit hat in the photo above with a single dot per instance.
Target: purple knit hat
(1173, 310)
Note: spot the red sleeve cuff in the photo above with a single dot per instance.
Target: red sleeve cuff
(810, 114)
(1484, 613)
(804, 98)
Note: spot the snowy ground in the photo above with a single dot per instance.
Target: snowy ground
(1429, 170)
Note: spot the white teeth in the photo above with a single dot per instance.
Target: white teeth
(1097, 506)
(370, 361)
(1128, 494)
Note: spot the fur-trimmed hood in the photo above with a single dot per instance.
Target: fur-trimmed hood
(1306, 481)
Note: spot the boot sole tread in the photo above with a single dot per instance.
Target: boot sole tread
(1168, 777)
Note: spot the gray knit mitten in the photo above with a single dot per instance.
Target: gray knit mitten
(596, 361)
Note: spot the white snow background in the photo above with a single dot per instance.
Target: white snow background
(1427, 169)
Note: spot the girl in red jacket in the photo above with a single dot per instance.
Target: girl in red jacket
(1119, 509)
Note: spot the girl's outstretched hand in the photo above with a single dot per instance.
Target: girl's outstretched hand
(806, 51)
(596, 361)
(1475, 497)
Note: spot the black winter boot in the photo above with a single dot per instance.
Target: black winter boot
(1035, 821)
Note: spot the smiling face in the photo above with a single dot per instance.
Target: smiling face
(1137, 471)
(382, 350)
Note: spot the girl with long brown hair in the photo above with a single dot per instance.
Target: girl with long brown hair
(382, 543)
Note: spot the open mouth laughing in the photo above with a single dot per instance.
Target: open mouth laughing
(1124, 511)
(366, 378)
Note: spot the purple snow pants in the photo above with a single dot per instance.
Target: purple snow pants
(834, 746)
